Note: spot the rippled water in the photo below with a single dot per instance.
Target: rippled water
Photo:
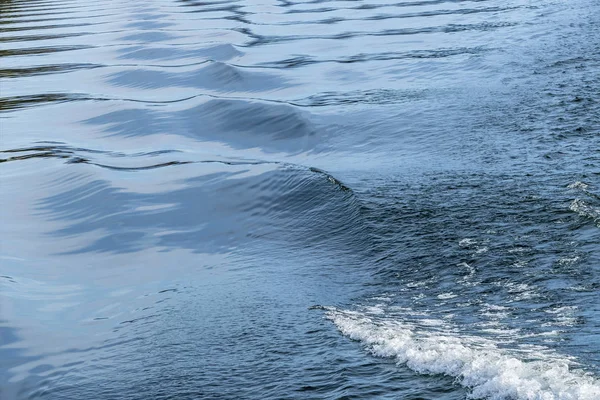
(306, 200)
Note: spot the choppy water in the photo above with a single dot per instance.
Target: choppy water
(302, 200)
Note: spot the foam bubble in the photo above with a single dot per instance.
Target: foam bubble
(466, 242)
(578, 185)
(585, 210)
(476, 363)
(445, 296)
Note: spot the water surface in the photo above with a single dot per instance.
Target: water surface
(304, 200)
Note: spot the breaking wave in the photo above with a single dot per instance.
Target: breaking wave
(478, 364)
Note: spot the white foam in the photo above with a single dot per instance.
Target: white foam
(521, 291)
(476, 363)
(445, 296)
(466, 242)
(578, 185)
(585, 210)
(568, 260)
(481, 250)
(564, 316)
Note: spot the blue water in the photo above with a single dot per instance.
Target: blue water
(274, 199)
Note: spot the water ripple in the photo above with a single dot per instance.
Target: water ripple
(183, 179)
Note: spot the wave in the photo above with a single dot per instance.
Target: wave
(240, 124)
(259, 204)
(477, 364)
(585, 208)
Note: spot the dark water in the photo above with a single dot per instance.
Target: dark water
(300, 200)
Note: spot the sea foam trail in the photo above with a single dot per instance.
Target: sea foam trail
(489, 372)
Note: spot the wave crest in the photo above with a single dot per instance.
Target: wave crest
(488, 371)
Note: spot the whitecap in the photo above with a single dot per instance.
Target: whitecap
(466, 242)
(445, 296)
(578, 185)
(585, 210)
(476, 363)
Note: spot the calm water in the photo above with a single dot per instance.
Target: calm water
(275, 199)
